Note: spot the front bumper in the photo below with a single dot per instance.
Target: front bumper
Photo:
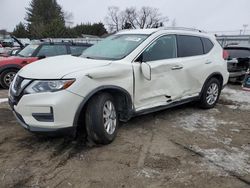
(46, 131)
(60, 106)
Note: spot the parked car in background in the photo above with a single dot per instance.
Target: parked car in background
(14, 46)
(238, 62)
(130, 73)
(9, 66)
(2, 51)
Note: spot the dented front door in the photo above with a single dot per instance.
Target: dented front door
(167, 81)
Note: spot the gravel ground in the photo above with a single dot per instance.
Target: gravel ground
(180, 147)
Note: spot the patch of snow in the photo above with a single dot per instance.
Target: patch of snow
(244, 107)
(3, 100)
(234, 107)
(225, 141)
(239, 106)
(235, 130)
(222, 122)
(198, 122)
(148, 173)
(235, 161)
(239, 96)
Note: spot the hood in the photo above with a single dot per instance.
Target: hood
(57, 67)
(10, 59)
(20, 61)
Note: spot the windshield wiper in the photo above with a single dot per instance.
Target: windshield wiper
(88, 57)
(20, 55)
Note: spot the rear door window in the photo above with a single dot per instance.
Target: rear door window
(207, 44)
(52, 50)
(189, 46)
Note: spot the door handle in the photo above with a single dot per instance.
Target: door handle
(208, 62)
(176, 67)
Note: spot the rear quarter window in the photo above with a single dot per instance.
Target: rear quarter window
(207, 44)
(189, 46)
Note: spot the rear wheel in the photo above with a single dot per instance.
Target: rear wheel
(210, 94)
(101, 119)
(7, 77)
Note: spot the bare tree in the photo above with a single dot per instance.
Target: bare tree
(113, 19)
(130, 16)
(68, 16)
(146, 17)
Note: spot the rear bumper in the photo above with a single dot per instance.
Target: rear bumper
(237, 74)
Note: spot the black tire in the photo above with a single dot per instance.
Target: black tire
(6, 77)
(204, 102)
(94, 119)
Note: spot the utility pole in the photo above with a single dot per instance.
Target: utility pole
(244, 28)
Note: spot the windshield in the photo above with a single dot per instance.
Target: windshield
(114, 47)
(28, 50)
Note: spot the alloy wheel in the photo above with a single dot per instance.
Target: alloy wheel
(109, 117)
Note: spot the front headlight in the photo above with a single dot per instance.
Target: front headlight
(39, 86)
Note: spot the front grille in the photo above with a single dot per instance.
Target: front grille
(17, 88)
(17, 85)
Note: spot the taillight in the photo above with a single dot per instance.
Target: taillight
(225, 54)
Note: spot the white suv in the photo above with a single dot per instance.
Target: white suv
(130, 73)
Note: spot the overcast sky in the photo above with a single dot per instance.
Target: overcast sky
(210, 15)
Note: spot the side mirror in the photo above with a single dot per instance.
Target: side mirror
(234, 60)
(41, 56)
(146, 70)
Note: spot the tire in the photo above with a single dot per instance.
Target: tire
(210, 94)
(6, 77)
(101, 110)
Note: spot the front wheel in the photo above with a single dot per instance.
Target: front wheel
(7, 77)
(210, 94)
(101, 119)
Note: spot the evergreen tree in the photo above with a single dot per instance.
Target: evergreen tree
(45, 19)
(20, 31)
(97, 29)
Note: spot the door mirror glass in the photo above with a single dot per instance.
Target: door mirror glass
(146, 70)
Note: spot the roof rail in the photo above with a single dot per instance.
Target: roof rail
(183, 28)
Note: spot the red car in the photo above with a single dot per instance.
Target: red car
(9, 66)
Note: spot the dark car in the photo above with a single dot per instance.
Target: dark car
(238, 62)
(9, 66)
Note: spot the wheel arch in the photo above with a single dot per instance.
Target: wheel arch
(216, 75)
(122, 99)
(11, 66)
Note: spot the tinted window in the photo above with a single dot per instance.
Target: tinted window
(207, 44)
(77, 50)
(52, 50)
(189, 46)
(162, 48)
(238, 53)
